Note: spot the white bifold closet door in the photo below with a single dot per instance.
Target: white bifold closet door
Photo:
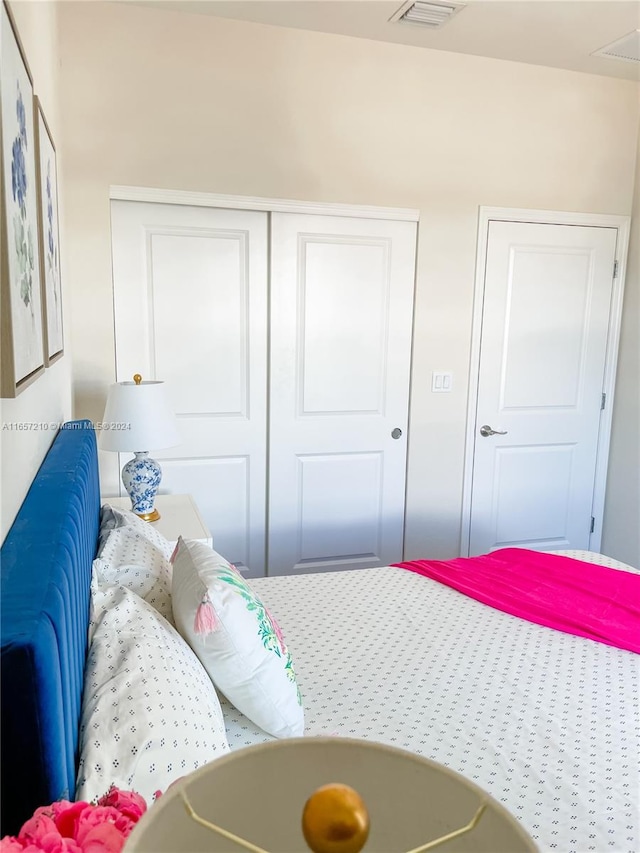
(190, 298)
(287, 357)
(341, 317)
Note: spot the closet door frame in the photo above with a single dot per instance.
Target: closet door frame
(269, 205)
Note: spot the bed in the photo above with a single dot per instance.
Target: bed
(547, 722)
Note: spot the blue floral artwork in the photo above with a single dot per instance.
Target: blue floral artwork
(23, 235)
(22, 286)
(52, 247)
(50, 244)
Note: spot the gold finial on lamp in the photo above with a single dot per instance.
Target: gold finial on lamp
(335, 820)
(137, 415)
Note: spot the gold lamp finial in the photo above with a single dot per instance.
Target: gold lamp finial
(335, 820)
(137, 378)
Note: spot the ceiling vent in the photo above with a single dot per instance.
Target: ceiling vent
(432, 15)
(627, 48)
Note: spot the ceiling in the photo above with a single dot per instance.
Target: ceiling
(555, 33)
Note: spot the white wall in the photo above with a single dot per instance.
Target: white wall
(48, 399)
(165, 99)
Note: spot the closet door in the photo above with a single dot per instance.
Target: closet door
(340, 346)
(190, 290)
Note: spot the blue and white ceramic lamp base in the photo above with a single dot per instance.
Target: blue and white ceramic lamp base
(141, 477)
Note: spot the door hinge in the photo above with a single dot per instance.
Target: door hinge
(603, 401)
(593, 524)
(615, 269)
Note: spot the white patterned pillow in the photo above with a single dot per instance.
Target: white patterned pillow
(114, 518)
(236, 638)
(136, 555)
(150, 713)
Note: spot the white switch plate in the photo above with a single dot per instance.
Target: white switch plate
(441, 383)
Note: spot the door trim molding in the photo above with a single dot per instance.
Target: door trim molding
(551, 217)
(270, 205)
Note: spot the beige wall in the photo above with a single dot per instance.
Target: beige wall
(621, 533)
(164, 99)
(49, 398)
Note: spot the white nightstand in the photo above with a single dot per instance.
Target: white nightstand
(179, 516)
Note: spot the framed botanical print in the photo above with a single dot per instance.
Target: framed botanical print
(49, 238)
(20, 296)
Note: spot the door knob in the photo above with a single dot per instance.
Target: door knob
(396, 433)
(486, 431)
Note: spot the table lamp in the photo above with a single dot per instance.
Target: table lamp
(137, 415)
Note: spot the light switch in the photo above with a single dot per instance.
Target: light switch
(441, 382)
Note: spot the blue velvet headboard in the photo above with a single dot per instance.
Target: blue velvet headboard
(45, 565)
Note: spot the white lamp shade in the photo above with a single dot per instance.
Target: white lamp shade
(138, 418)
(411, 800)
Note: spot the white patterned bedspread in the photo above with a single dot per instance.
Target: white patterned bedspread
(547, 722)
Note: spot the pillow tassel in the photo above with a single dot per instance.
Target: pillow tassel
(205, 621)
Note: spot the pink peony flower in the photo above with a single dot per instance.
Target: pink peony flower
(59, 846)
(10, 844)
(65, 827)
(55, 843)
(66, 816)
(99, 815)
(103, 838)
(36, 828)
(128, 802)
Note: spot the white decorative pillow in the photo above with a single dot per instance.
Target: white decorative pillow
(150, 713)
(236, 638)
(135, 555)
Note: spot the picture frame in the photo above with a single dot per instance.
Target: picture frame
(48, 222)
(22, 351)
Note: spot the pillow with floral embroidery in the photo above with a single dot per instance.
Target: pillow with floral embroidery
(236, 638)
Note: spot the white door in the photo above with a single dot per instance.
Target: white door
(190, 287)
(341, 319)
(547, 297)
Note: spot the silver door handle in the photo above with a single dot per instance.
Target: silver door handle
(396, 433)
(486, 431)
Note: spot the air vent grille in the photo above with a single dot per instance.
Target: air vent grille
(432, 14)
(626, 49)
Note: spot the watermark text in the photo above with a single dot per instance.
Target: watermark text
(53, 426)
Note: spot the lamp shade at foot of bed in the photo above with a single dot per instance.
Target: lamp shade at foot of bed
(258, 796)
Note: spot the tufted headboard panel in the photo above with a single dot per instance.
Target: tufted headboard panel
(45, 565)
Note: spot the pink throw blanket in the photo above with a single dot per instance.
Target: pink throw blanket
(589, 600)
